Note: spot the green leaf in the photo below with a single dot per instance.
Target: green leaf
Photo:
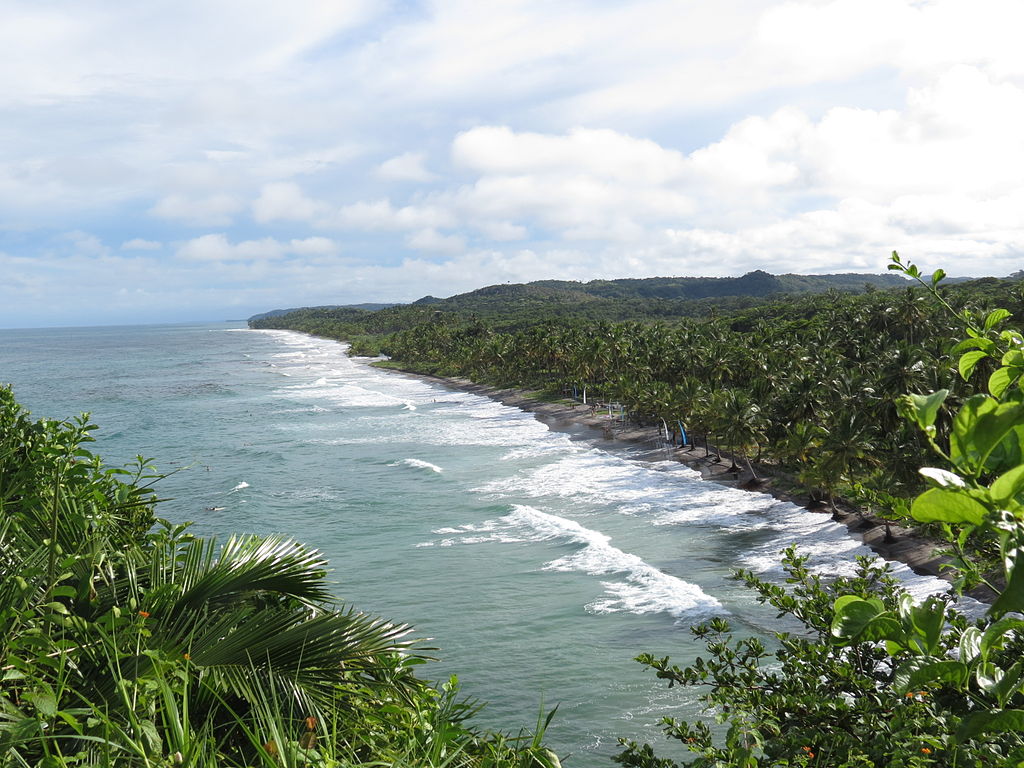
(993, 637)
(45, 702)
(1008, 485)
(979, 427)
(925, 408)
(1001, 379)
(852, 614)
(1014, 357)
(993, 721)
(970, 644)
(947, 506)
(987, 676)
(968, 361)
(938, 276)
(1012, 596)
(943, 477)
(954, 673)
(961, 441)
(980, 342)
(928, 620)
(1009, 684)
(1008, 452)
(994, 317)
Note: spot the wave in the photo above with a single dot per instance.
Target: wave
(418, 464)
(645, 588)
(240, 486)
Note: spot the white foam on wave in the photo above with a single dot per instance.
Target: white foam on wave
(341, 394)
(829, 546)
(533, 451)
(644, 588)
(593, 475)
(240, 486)
(418, 464)
(432, 431)
(308, 409)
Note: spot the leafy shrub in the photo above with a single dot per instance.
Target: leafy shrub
(874, 678)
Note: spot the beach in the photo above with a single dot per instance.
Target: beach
(900, 543)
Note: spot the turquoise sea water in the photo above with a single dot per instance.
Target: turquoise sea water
(538, 562)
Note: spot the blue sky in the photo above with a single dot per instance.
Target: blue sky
(174, 161)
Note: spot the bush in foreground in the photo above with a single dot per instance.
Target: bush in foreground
(875, 678)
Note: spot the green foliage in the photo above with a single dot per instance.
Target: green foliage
(127, 641)
(874, 677)
(814, 700)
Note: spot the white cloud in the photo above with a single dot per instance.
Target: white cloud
(756, 152)
(74, 48)
(313, 246)
(86, 244)
(501, 231)
(140, 244)
(583, 139)
(432, 240)
(213, 211)
(381, 215)
(216, 247)
(367, 215)
(409, 166)
(843, 37)
(285, 201)
(603, 154)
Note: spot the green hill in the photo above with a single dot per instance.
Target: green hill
(510, 306)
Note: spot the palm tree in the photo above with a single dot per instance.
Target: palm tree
(846, 448)
(742, 426)
(109, 614)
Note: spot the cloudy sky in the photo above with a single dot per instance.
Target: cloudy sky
(186, 160)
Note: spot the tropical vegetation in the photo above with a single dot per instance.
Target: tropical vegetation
(875, 677)
(127, 641)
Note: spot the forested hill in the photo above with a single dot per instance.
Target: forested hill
(756, 283)
(519, 305)
(279, 312)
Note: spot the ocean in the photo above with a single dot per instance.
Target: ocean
(537, 562)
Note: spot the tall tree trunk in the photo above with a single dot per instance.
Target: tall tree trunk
(753, 474)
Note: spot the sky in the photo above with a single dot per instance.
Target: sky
(174, 161)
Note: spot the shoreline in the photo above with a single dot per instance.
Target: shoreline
(906, 546)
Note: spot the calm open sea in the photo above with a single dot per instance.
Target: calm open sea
(538, 563)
